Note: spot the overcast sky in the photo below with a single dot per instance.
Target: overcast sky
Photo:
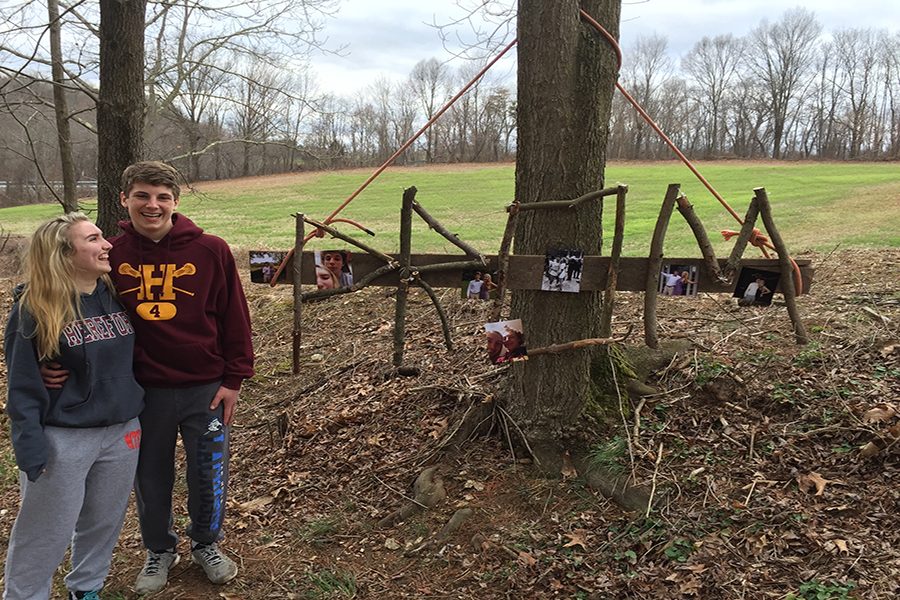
(385, 38)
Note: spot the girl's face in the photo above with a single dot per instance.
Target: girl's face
(512, 340)
(334, 262)
(324, 279)
(90, 255)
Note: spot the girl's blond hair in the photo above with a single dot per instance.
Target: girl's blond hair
(50, 294)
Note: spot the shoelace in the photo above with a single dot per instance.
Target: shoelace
(210, 555)
(153, 563)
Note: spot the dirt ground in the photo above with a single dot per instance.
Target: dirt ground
(752, 448)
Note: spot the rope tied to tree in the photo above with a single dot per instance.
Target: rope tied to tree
(756, 239)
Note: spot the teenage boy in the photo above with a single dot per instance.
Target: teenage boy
(193, 349)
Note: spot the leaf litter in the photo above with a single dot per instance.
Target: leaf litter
(763, 484)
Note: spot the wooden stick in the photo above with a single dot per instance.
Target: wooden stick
(706, 249)
(557, 348)
(734, 260)
(612, 274)
(655, 263)
(451, 237)
(449, 266)
(409, 195)
(659, 454)
(363, 282)
(551, 204)
(503, 258)
(784, 261)
(334, 232)
(299, 235)
(445, 324)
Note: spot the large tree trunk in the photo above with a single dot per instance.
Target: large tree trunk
(61, 109)
(566, 78)
(120, 109)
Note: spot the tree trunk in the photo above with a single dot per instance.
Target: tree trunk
(566, 78)
(61, 109)
(120, 109)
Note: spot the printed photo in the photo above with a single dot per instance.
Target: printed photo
(333, 269)
(756, 287)
(505, 341)
(679, 280)
(562, 271)
(263, 264)
(478, 285)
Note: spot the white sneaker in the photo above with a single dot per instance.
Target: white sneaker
(218, 567)
(155, 574)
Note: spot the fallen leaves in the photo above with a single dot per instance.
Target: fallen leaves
(810, 481)
(576, 538)
(879, 413)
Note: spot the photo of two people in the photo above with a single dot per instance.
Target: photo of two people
(755, 287)
(505, 341)
(478, 285)
(678, 280)
(333, 269)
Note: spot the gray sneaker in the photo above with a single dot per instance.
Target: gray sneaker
(218, 567)
(155, 574)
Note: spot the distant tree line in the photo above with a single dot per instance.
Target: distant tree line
(228, 94)
(783, 91)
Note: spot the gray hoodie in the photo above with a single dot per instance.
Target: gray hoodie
(100, 390)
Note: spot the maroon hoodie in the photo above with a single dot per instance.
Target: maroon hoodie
(186, 303)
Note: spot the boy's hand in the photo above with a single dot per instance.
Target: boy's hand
(54, 375)
(228, 398)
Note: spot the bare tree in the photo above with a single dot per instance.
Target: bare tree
(188, 42)
(856, 59)
(429, 80)
(61, 110)
(780, 56)
(646, 69)
(712, 65)
(891, 59)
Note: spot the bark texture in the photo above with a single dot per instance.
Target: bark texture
(566, 78)
(120, 109)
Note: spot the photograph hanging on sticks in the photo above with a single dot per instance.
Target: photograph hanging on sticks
(333, 269)
(679, 280)
(562, 271)
(506, 341)
(263, 265)
(756, 287)
(479, 285)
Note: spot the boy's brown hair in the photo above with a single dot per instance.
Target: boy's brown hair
(151, 172)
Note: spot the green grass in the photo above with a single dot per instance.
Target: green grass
(816, 206)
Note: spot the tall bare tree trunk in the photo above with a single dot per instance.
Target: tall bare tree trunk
(61, 109)
(120, 109)
(566, 78)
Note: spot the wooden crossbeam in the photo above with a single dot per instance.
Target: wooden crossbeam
(525, 272)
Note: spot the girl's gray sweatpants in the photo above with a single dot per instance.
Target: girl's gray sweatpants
(85, 490)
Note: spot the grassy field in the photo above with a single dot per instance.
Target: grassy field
(817, 206)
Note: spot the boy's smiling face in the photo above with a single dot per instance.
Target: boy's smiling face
(150, 208)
